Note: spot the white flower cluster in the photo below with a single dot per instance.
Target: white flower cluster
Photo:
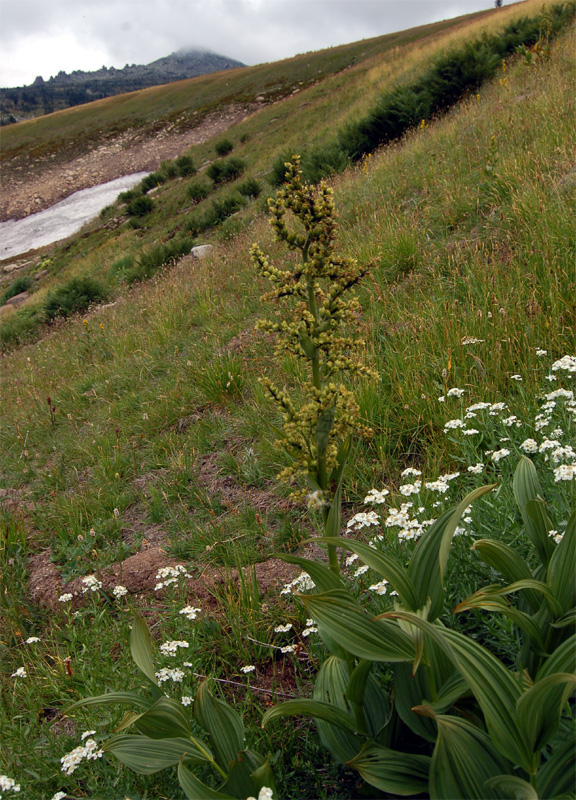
(166, 576)
(264, 794)
(166, 674)
(303, 583)
(376, 497)
(119, 591)
(20, 673)
(89, 751)
(32, 640)
(190, 612)
(171, 648)
(283, 628)
(65, 598)
(248, 668)
(91, 584)
(8, 784)
(567, 363)
(470, 340)
(565, 472)
(410, 488)
(364, 519)
(498, 455)
(310, 628)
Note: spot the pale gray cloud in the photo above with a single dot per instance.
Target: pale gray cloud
(42, 37)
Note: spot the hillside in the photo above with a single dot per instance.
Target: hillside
(137, 434)
(65, 90)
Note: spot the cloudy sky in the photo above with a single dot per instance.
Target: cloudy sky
(42, 37)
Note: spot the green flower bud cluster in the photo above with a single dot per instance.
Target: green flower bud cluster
(321, 327)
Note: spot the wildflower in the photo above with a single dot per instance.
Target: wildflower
(563, 454)
(32, 640)
(376, 496)
(171, 648)
(449, 476)
(498, 455)
(8, 784)
(442, 399)
(166, 674)
(496, 407)
(59, 796)
(116, 513)
(186, 700)
(64, 598)
(363, 520)
(567, 363)
(91, 584)
(478, 407)
(549, 444)
(315, 500)
(169, 575)
(20, 673)
(190, 612)
(551, 378)
(470, 340)
(455, 392)
(380, 588)
(411, 471)
(541, 353)
(309, 629)
(361, 570)
(512, 420)
(567, 394)
(515, 377)
(301, 584)
(351, 559)
(470, 431)
(410, 488)
(87, 734)
(119, 591)
(565, 472)
(289, 648)
(89, 750)
(453, 424)
(264, 794)
(529, 446)
(283, 628)
(437, 486)
(248, 668)
(541, 421)
(476, 469)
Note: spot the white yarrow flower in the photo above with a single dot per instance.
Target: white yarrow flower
(248, 668)
(20, 673)
(498, 455)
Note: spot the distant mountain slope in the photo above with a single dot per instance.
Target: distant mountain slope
(65, 90)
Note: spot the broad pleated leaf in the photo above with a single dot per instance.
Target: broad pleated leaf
(330, 687)
(194, 789)
(509, 563)
(448, 694)
(562, 567)
(312, 708)
(385, 566)
(224, 725)
(322, 576)
(334, 520)
(262, 775)
(147, 756)
(528, 494)
(358, 680)
(495, 689)
(378, 710)
(563, 659)
(239, 782)
(410, 690)
(463, 760)
(493, 600)
(510, 787)
(141, 647)
(165, 719)
(557, 776)
(352, 628)
(128, 698)
(428, 563)
(539, 709)
(391, 771)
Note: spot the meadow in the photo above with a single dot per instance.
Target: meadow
(139, 462)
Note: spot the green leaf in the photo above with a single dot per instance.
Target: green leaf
(392, 771)
(224, 725)
(509, 563)
(165, 719)
(385, 566)
(239, 782)
(313, 708)
(428, 564)
(491, 599)
(128, 698)
(566, 620)
(463, 760)
(510, 787)
(358, 680)
(263, 776)
(141, 647)
(540, 708)
(194, 789)
(562, 567)
(307, 344)
(557, 776)
(324, 578)
(334, 519)
(527, 490)
(330, 687)
(323, 427)
(347, 622)
(147, 756)
(495, 689)
(563, 659)
(493, 593)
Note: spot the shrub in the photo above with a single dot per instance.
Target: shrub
(150, 261)
(223, 147)
(128, 196)
(140, 206)
(77, 294)
(224, 207)
(226, 169)
(152, 181)
(17, 286)
(169, 170)
(198, 190)
(120, 268)
(185, 166)
(250, 188)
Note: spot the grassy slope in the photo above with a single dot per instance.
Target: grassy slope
(469, 226)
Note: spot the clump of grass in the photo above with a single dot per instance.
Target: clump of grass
(140, 206)
(185, 166)
(17, 286)
(223, 147)
(250, 188)
(77, 294)
(161, 255)
(198, 190)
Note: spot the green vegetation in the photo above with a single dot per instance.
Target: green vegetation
(138, 462)
(16, 287)
(75, 295)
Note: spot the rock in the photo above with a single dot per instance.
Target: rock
(201, 251)
(18, 299)
(41, 274)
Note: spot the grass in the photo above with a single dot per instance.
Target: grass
(156, 411)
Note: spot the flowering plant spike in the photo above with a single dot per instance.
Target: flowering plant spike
(321, 329)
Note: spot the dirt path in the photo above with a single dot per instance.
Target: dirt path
(27, 189)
